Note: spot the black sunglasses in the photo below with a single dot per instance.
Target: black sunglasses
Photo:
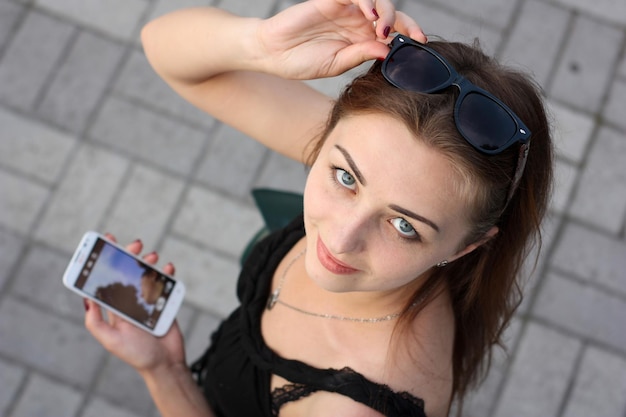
(484, 121)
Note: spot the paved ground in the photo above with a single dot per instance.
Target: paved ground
(90, 138)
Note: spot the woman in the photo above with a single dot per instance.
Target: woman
(424, 194)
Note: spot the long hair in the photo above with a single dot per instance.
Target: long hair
(484, 285)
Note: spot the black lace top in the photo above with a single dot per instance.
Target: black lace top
(236, 370)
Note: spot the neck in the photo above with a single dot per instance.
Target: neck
(301, 293)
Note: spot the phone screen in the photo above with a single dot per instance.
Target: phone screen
(125, 283)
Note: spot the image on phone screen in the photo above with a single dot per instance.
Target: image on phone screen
(125, 283)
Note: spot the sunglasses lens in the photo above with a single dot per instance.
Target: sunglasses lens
(484, 123)
(415, 69)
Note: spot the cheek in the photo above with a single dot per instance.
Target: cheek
(316, 197)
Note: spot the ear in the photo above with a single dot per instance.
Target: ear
(469, 248)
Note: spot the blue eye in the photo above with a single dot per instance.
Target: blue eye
(345, 178)
(404, 227)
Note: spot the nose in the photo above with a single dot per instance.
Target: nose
(349, 232)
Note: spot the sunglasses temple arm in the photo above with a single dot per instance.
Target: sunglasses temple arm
(519, 171)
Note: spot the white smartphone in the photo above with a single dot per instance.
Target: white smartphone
(121, 282)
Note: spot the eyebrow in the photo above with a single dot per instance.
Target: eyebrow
(353, 167)
(415, 216)
(401, 210)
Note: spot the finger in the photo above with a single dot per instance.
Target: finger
(356, 54)
(151, 257)
(110, 237)
(387, 12)
(408, 26)
(169, 269)
(94, 321)
(135, 247)
(368, 8)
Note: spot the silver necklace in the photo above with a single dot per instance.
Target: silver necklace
(274, 298)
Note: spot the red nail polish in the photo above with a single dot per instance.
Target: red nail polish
(386, 31)
(375, 13)
(86, 304)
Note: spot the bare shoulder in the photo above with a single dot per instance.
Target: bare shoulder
(423, 358)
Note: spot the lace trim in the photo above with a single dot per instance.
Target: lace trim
(293, 392)
(288, 393)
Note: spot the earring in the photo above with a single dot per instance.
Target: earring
(442, 264)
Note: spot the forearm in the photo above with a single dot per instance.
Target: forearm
(214, 60)
(193, 45)
(175, 393)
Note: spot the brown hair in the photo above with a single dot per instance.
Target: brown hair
(483, 284)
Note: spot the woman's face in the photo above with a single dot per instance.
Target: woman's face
(380, 207)
(151, 287)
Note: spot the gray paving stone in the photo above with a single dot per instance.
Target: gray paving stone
(148, 136)
(481, 402)
(217, 222)
(490, 12)
(572, 132)
(144, 206)
(614, 111)
(48, 343)
(260, 8)
(9, 13)
(333, 86)
(564, 182)
(10, 248)
(30, 58)
(540, 372)
(101, 408)
(197, 340)
(39, 279)
(600, 388)
(592, 257)
(21, 202)
(138, 81)
(583, 309)
(32, 148)
(162, 7)
(231, 162)
(615, 11)
(121, 384)
(442, 24)
(117, 18)
(582, 77)
(601, 196)
(80, 81)
(535, 39)
(82, 198)
(11, 377)
(282, 173)
(210, 279)
(622, 68)
(44, 397)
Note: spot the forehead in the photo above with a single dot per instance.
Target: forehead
(399, 168)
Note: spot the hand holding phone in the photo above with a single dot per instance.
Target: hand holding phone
(124, 284)
(125, 339)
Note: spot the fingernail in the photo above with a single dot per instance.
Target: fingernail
(386, 31)
(375, 13)
(152, 253)
(137, 241)
(86, 304)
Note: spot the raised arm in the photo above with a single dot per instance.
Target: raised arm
(246, 71)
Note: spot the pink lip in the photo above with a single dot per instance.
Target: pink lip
(330, 262)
